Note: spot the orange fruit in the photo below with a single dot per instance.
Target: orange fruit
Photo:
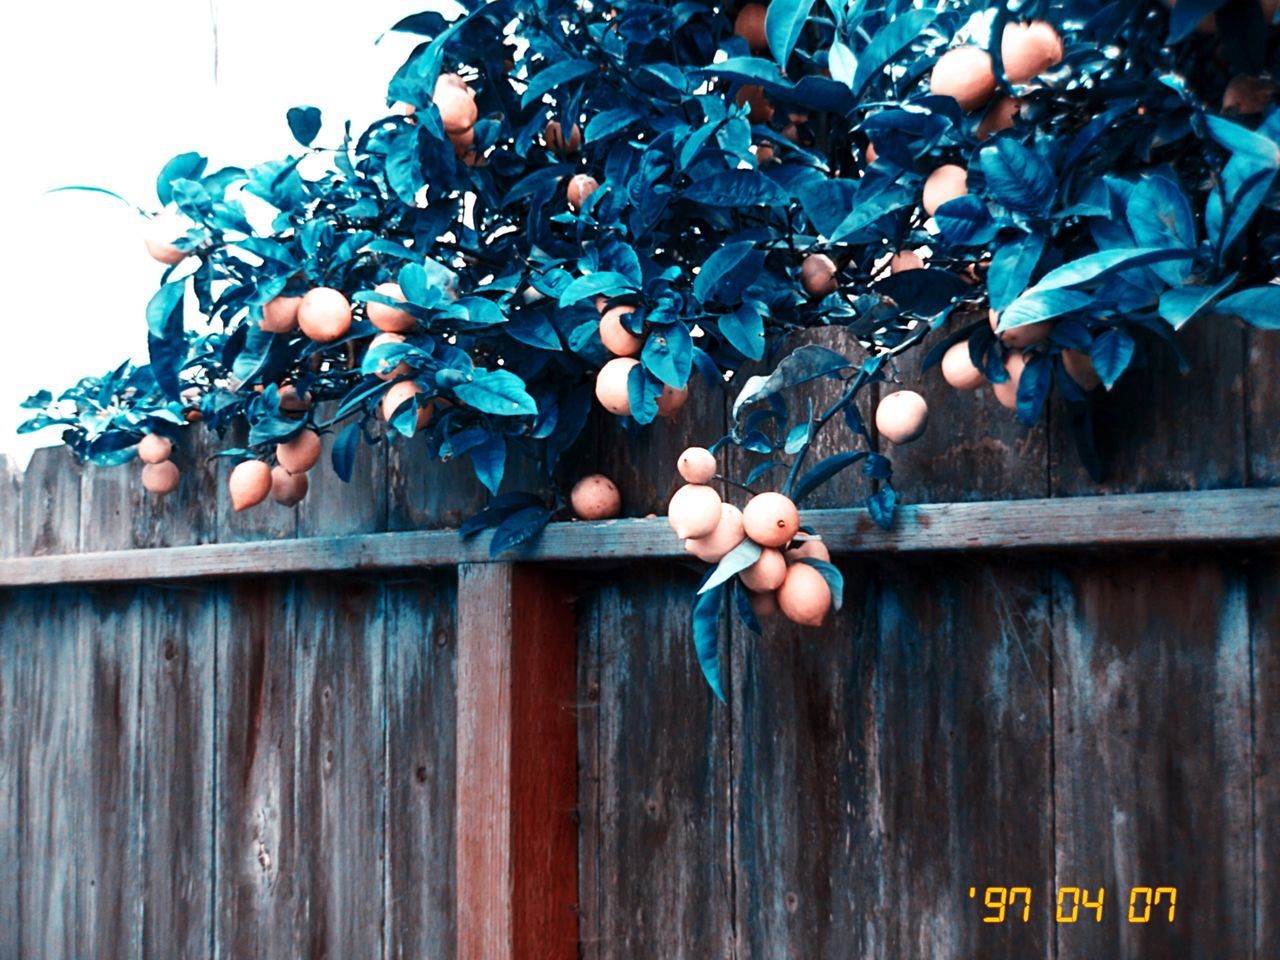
(945, 184)
(749, 25)
(611, 385)
(870, 153)
(966, 74)
(771, 519)
(324, 315)
(595, 497)
(1023, 336)
(902, 416)
(767, 573)
(401, 369)
(1080, 368)
(404, 109)
(456, 103)
(804, 596)
(670, 400)
(1029, 49)
(1247, 95)
(751, 96)
(160, 478)
(763, 604)
(1007, 392)
(727, 535)
(249, 483)
(280, 315)
(386, 318)
(958, 368)
(300, 453)
(818, 275)
(397, 394)
(290, 402)
(288, 488)
(554, 138)
(616, 338)
(694, 511)
(463, 142)
(812, 549)
(764, 153)
(154, 448)
(580, 187)
(905, 260)
(164, 251)
(697, 465)
(999, 117)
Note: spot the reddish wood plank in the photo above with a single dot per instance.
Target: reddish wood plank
(1153, 754)
(517, 767)
(421, 637)
(1264, 619)
(178, 646)
(655, 794)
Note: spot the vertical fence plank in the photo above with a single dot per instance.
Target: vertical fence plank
(1153, 754)
(332, 507)
(50, 520)
(1262, 386)
(963, 746)
(804, 778)
(424, 494)
(1264, 618)
(13, 707)
(421, 645)
(10, 507)
(516, 767)
(46, 623)
(179, 631)
(108, 793)
(298, 808)
(656, 808)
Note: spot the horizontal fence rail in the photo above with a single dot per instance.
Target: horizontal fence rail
(1190, 519)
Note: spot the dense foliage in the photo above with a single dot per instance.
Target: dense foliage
(1116, 199)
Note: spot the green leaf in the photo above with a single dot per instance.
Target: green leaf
(888, 42)
(744, 329)
(1111, 354)
(499, 392)
(668, 354)
(185, 166)
(806, 363)
(608, 122)
(1019, 178)
(304, 124)
(555, 76)
(489, 459)
(603, 281)
(833, 576)
(164, 303)
(343, 454)
(706, 636)
(783, 24)
(520, 527)
(737, 188)
(823, 471)
(1179, 305)
(1095, 266)
(736, 560)
(717, 265)
(1257, 306)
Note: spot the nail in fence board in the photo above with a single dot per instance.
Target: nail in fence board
(421, 638)
(299, 806)
(1153, 754)
(516, 767)
(655, 792)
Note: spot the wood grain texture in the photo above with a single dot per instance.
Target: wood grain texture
(655, 797)
(178, 649)
(420, 777)
(964, 731)
(12, 710)
(10, 507)
(1153, 754)
(299, 798)
(1264, 622)
(107, 835)
(1159, 429)
(1262, 393)
(50, 517)
(517, 767)
(1189, 519)
(53, 690)
(333, 507)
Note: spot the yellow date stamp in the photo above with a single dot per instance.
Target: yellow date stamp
(1077, 904)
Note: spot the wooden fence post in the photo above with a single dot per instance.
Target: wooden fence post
(517, 863)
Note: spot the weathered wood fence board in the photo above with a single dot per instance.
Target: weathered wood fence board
(1264, 621)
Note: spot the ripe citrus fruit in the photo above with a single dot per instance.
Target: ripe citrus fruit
(300, 453)
(1023, 336)
(694, 511)
(818, 275)
(1028, 50)
(324, 315)
(999, 117)
(763, 604)
(759, 109)
(401, 369)
(804, 596)
(1080, 367)
(291, 402)
(396, 396)
(905, 260)
(288, 488)
(616, 338)
(964, 73)
(727, 535)
(611, 385)
(386, 318)
(870, 153)
(813, 549)
(767, 573)
(155, 449)
(697, 465)
(554, 137)
(958, 368)
(749, 25)
(280, 315)
(944, 184)
(771, 519)
(160, 478)
(456, 103)
(1007, 391)
(1246, 95)
(670, 400)
(595, 497)
(902, 416)
(249, 483)
(580, 187)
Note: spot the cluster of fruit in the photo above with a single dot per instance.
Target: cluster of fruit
(251, 481)
(617, 333)
(779, 580)
(456, 102)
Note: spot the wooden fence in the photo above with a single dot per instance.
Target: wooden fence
(342, 732)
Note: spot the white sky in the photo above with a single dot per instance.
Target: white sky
(103, 94)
